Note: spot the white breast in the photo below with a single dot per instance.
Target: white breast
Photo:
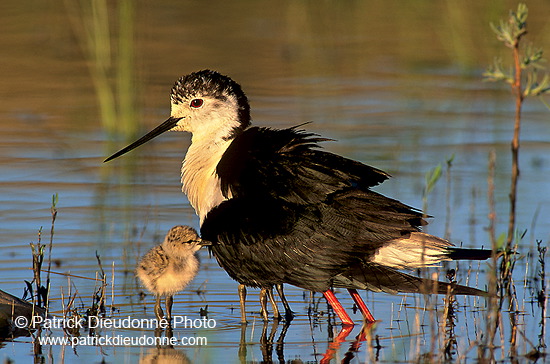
(200, 182)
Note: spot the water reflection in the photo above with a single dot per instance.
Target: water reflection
(396, 83)
(165, 355)
(272, 344)
(420, 330)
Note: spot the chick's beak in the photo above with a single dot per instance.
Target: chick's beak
(165, 126)
(204, 243)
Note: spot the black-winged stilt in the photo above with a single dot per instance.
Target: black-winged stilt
(277, 209)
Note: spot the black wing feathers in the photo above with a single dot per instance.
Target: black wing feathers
(375, 277)
(292, 205)
(299, 215)
(286, 164)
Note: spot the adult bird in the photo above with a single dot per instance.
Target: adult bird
(277, 209)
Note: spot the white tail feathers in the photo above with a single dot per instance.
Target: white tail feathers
(416, 251)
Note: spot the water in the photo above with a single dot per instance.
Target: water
(397, 86)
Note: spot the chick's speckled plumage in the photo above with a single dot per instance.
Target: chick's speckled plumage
(169, 267)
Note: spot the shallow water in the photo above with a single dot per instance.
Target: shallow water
(397, 86)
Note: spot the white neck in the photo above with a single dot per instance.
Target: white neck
(200, 181)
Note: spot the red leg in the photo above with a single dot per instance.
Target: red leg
(337, 307)
(369, 318)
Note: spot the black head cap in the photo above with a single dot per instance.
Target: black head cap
(214, 84)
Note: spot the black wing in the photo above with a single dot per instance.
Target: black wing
(297, 214)
(306, 217)
(376, 277)
(288, 165)
(265, 242)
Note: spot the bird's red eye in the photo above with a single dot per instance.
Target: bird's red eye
(196, 103)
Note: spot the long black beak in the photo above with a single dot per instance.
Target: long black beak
(165, 126)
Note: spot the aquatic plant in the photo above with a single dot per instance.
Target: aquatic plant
(524, 78)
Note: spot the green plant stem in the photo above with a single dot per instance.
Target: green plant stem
(516, 87)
